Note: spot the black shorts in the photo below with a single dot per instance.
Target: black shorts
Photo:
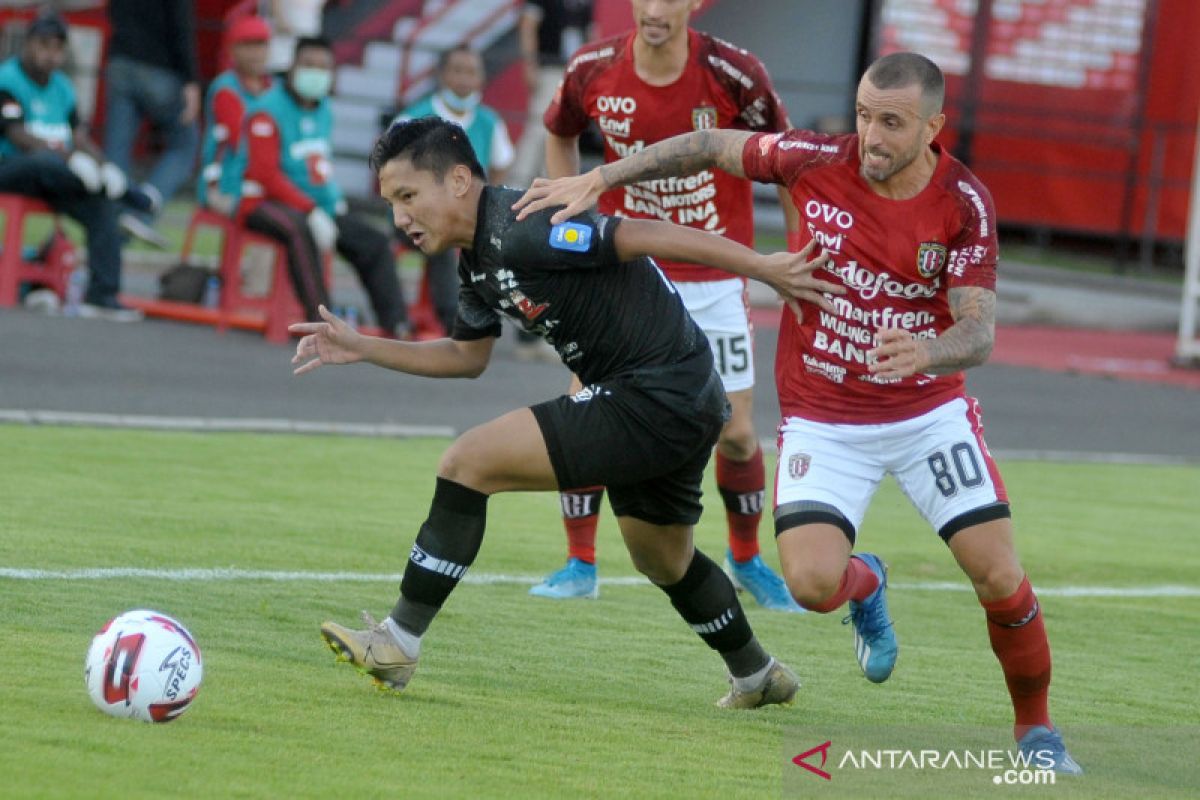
(646, 435)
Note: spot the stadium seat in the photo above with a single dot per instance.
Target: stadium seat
(56, 262)
(279, 305)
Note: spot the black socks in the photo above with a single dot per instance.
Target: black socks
(447, 544)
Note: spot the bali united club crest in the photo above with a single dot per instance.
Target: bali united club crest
(798, 465)
(931, 257)
(703, 118)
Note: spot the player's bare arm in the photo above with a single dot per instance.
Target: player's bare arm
(791, 214)
(562, 155)
(965, 344)
(335, 342)
(790, 274)
(679, 155)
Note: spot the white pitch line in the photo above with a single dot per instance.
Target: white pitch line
(18, 416)
(181, 424)
(232, 574)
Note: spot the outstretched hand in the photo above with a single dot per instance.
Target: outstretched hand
(328, 342)
(791, 276)
(577, 192)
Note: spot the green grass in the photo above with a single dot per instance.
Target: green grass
(518, 697)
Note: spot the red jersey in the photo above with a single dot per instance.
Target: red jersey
(897, 258)
(722, 86)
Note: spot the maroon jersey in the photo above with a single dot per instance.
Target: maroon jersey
(721, 87)
(897, 259)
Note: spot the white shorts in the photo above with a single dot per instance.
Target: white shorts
(720, 309)
(829, 472)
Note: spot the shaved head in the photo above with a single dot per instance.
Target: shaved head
(901, 70)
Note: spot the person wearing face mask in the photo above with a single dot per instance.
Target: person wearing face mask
(288, 192)
(458, 100)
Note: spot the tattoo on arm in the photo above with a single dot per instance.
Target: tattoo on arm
(680, 155)
(968, 342)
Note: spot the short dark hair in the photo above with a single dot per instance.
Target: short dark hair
(445, 56)
(48, 26)
(305, 42)
(430, 143)
(901, 70)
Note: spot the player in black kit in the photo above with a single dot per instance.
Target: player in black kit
(644, 425)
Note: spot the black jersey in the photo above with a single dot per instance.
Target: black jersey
(564, 283)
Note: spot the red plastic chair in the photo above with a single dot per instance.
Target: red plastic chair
(279, 306)
(59, 259)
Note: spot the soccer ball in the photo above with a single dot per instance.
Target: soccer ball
(143, 665)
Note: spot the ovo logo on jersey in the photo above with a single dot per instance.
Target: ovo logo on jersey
(819, 211)
(616, 105)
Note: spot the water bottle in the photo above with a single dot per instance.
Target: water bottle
(351, 317)
(212, 292)
(76, 284)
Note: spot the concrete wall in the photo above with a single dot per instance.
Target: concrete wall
(810, 47)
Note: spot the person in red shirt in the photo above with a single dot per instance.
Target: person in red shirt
(225, 104)
(875, 387)
(661, 79)
(289, 192)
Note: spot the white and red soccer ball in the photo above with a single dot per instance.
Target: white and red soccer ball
(143, 665)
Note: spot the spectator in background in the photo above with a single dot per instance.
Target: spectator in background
(152, 75)
(288, 191)
(45, 152)
(229, 95)
(457, 100)
(550, 32)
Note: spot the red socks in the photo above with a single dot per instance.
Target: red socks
(741, 484)
(858, 581)
(581, 515)
(1019, 642)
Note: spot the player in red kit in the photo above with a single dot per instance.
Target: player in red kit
(641, 87)
(876, 387)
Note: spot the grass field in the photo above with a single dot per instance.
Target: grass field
(518, 697)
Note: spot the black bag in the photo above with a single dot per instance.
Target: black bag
(184, 283)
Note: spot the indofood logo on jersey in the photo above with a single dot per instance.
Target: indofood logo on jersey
(703, 118)
(931, 257)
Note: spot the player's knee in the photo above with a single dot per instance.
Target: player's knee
(811, 586)
(738, 442)
(661, 570)
(998, 580)
(457, 465)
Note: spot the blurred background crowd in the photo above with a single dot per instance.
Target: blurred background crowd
(175, 114)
